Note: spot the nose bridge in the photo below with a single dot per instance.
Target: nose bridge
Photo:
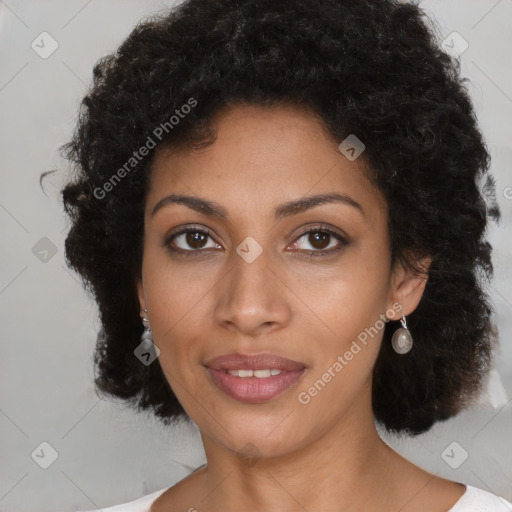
(250, 296)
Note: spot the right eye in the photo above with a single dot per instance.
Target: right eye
(190, 241)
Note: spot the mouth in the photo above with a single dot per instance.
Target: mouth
(254, 378)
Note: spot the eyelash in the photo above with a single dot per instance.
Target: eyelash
(314, 254)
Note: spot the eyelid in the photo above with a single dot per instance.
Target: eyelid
(319, 226)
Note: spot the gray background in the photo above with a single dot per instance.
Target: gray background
(107, 454)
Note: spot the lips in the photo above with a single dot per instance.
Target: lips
(254, 378)
(253, 362)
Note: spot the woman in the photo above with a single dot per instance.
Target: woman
(276, 208)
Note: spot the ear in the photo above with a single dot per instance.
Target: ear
(140, 293)
(408, 285)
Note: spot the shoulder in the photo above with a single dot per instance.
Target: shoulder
(478, 500)
(142, 504)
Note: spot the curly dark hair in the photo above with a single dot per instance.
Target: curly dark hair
(373, 68)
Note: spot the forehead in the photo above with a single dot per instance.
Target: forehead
(263, 156)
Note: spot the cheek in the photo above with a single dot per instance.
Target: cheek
(173, 288)
(345, 298)
(175, 296)
(349, 308)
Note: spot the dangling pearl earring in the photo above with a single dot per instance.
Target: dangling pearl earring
(401, 340)
(146, 335)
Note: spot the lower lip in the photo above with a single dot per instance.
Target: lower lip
(252, 389)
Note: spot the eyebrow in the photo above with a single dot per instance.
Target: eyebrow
(213, 209)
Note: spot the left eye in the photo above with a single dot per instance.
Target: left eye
(320, 240)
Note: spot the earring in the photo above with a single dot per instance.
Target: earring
(401, 340)
(146, 335)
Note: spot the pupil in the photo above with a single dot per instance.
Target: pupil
(195, 238)
(319, 239)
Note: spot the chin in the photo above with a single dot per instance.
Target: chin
(260, 434)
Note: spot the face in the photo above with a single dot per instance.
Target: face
(250, 265)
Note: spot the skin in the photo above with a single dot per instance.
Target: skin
(281, 454)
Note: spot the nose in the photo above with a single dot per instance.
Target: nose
(252, 299)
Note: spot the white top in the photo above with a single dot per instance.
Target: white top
(473, 500)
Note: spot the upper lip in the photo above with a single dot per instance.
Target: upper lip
(262, 361)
